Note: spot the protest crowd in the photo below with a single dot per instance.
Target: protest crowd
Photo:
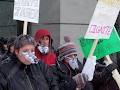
(33, 63)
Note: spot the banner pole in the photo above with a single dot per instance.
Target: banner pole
(92, 50)
(93, 47)
(25, 28)
(115, 73)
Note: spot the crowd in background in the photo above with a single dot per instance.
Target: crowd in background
(32, 63)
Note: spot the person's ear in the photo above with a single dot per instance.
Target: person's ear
(16, 51)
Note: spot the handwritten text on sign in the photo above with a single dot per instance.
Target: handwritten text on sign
(105, 30)
(103, 20)
(26, 10)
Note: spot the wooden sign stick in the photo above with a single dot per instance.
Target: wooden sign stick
(115, 72)
(93, 47)
(25, 28)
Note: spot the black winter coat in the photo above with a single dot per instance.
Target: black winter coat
(64, 74)
(103, 79)
(16, 76)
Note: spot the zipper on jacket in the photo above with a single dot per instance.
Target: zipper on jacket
(29, 85)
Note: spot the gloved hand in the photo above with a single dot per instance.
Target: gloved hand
(80, 79)
(111, 67)
(107, 71)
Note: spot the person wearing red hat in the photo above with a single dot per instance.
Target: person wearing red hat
(44, 49)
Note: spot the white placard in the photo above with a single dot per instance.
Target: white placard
(103, 19)
(26, 10)
(89, 67)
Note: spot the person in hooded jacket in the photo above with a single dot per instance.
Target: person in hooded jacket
(23, 70)
(103, 79)
(44, 50)
(68, 68)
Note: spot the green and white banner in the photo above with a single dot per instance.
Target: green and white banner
(104, 46)
(103, 19)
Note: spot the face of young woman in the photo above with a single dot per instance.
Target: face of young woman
(26, 48)
(44, 41)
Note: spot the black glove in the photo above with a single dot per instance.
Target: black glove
(107, 71)
(111, 67)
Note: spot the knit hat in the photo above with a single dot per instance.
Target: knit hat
(66, 49)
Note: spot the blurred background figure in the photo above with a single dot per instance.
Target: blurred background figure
(10, 47)
(3, 46)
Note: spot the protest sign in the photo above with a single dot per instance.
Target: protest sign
(103, 19)
(89, 67)
(104, 47)
(101, 26)
(26, 10)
